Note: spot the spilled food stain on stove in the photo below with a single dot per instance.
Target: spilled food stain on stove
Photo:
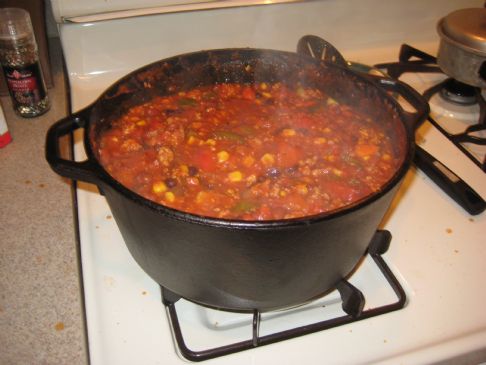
(109, 282)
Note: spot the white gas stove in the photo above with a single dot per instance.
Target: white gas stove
(437, 253)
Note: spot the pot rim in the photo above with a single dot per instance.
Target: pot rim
(105, 179)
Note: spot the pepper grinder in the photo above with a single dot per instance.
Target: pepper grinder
(20, 63)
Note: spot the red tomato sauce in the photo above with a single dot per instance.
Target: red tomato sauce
(259, 152)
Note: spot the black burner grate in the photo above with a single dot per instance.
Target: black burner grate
(414, 60)
(352, 303)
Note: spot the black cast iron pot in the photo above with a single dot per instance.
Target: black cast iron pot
(242, 265)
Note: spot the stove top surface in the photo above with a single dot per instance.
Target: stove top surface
(437, 252)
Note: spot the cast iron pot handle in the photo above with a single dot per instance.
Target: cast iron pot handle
(450, 183)
(417, 101)
(83, 170)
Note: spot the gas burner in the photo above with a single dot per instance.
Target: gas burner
(322, 313)
(454, 112)
(458, 93)
(463, 125)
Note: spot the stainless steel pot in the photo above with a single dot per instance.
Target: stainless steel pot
(462, 50)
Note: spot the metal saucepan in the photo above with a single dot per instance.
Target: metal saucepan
(230, 264)
(462, 49)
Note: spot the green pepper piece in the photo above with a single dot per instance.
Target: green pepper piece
(187, 102)
(229, 136)
(244, 206)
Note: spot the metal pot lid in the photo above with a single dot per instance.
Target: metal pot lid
(465, 27)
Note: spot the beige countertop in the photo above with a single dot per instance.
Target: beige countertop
(41, 315)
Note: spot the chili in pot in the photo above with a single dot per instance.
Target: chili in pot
(252, 152)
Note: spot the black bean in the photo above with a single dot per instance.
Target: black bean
(291, 170)
(273, 172)
(170, 182)
(170, 112)
(193, 170)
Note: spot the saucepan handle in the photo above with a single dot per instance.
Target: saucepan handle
(82, 170)
(450, 183)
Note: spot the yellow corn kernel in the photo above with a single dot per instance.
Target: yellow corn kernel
(141, 123)
(235, 176)
(159, 187)
(331, 101)
(288, 132)
(191, 140)
(184, 169)
(268, 159)
(320, 140)
(169, 196)
(222, 156)
(263, 86)
(210, 142)
(282, 193)
(337, 172)
(302, 189)
(267, 95)
(386, 157)
(200, 197)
